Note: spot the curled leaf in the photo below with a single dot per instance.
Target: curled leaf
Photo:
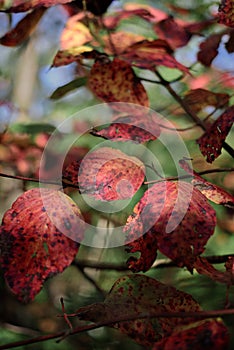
(211, 142)
(23, 29)
(139, 129)
(209, 49)
(211, 191)
(34, 239)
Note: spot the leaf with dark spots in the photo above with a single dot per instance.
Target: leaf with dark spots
(209, 334)
(211, 142)
(34, 239)
(116, 82)
(106, 174)
(209, 49)
(171, 217)
(198, 99)
(211, 191)
(133, 295)
(65, 57)
(175, 34)
(139, 129)
(150, 54)
(226, 13)
(23, 29)
(22, 5)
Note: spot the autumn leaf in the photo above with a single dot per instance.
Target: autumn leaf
(96, 7)
(173, 216)
(117, 42)
(204, 267)
(198, 99)
(35, 247)
(133, 295)
(23, 29)
(230, 43)
(75, 34)
(209, 49)
(134, 128)
(65, 57)
(106, 174)
(226, 13)
(211, 142)
(111, 21)
(175, 34)
(115, 81)
(210, 334)
(211, 191)
(150, 54)
(22, 5)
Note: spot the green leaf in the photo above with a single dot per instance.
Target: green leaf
(65, 89)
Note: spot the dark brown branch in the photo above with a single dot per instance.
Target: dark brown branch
(76, 330)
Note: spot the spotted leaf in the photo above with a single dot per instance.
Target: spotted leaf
(211, 142)
(115, 81)
(106, 174)
(133, 295)
(22, 5)
(226, 13)
(173, 217)
(35, 239)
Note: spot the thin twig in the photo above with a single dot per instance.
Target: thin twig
(110, 321)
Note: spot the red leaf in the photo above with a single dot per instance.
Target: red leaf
(226, 13)
(22, 5)
(176, 218)
(135, 128)
(205, 268)
(106, 174)
(23, 29)
(116, 82)
(209, 49)
(175, 34)
(133, 295)
(211, 142)
(197, 99)
(230, 43)
(210, 334)
(33, 247)
(212, 192)
(150, 54)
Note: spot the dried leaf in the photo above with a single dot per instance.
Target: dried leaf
(211, 191)
(226, 13)
(106, 174)
(210, 334)
(230, 43)
(174, 217)
(23, 29)
(209, 49)
(134, 128)
(22, 5)
(116, 82)
(150, 54)
(197, 99)
(33, 247)
(211, 142)
(175, 34)
(116, 43)
(133, 295)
